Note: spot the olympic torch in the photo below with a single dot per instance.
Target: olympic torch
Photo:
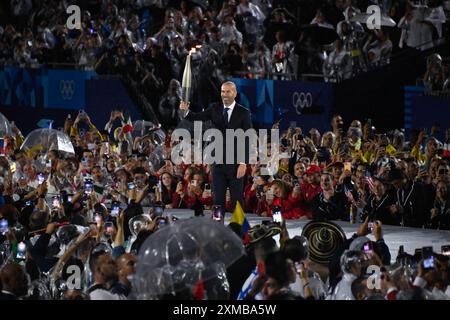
(186, 85)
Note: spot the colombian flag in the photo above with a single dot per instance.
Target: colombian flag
(239, 218)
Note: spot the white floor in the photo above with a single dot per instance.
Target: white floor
(410, 238)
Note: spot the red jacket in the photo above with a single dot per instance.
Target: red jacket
(189, 201)
(307, 193)
(289, 207)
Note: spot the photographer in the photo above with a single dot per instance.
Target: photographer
(281, 195)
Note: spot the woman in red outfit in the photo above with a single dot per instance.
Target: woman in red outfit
(254, 194)
(283, 195)
(192, 192)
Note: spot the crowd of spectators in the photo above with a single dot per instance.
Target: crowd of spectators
(148, 40)
(354, 175)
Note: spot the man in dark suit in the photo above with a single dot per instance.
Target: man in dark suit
(226, 115)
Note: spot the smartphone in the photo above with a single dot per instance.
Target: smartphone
(115, 208)
(84, 161)
(159, 210)
(368, 248)
(69, 198)
(216, 213)
(48, 164)
(347, 166)
(194, 183)
(296, 183)
(2, 147)
(162, 222)
(207, 187)
(428, 258)
(298, 267)
(370, 227)
(276, 214)
(88, 187)
(29, 203)
(105, 147)
(12, 167)
(21, 251)
(40, 178)
(445, 250)
(260, 189)
(109, 227)
(55, 202)
(130, 186)
(160, 186)
(3, 226)
(98, 218)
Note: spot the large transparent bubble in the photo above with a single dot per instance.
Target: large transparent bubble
(174, 258)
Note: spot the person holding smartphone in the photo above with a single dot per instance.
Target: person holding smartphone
(168, 189)
(254, 194)
(280, 196)
(194, 193)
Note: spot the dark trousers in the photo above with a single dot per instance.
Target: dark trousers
(223, 176)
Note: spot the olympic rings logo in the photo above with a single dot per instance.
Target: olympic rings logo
(67, 89)
(302, 100)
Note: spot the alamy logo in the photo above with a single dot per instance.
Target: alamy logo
(74, 20)
(374, 280)
(374, 20)
(74, 280)
(67, 89)
(259, 149)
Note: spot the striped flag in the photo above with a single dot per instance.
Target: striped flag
(369, 181)
(240, 218)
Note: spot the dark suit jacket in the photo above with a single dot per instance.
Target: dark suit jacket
(240, 119)
(7, 296)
